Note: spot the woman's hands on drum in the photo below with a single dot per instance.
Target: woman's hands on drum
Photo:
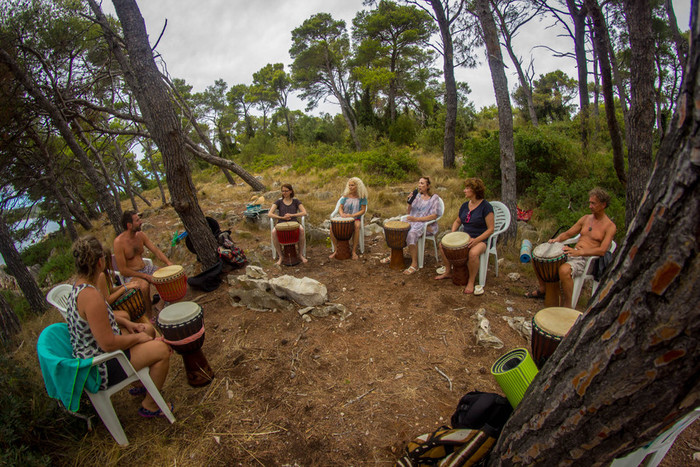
(134, 328)
(413, 219)
(287, 217)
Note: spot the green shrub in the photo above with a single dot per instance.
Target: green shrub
(57, 269)
(17, 302)
(30, 420)
(388, 164)
(39, 252)
(403, 130)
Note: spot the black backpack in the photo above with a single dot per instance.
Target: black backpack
(482, 411)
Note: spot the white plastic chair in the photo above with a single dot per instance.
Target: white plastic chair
(427, 236)
(336, 212)
(587, 275)
(58, 298)
(146, 262)
(653, 453)
(272, 238)
(501, 222)
(56, 339)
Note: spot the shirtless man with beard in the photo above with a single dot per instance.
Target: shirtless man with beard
(597, 231)
(128, 250)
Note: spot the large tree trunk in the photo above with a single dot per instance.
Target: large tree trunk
(505, 113)
(9, 322)
(164, 126)
(149, 156)
(678, 41)
(106, 201)
(629, 367)
(640, 127)
(448, 66)
(601, 45)
(25, 281)
(578, 15)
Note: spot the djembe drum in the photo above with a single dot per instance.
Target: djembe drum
(182, 325)
(454, 244)
(549, 327)
(546, 259)
(131, 301)
(171, 282)
(395, 233)
(288, 236)
(343, 228)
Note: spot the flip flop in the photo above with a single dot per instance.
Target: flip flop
(441, 270)
(478, 290)
(535, 294)
(144, 412)
(385, 260)
(410, 270)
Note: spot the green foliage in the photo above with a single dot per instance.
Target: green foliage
(58, 268)
(388, 164)
(18, 303)
(403, 130)
(39, 252)
(29, 417)
(537, 150)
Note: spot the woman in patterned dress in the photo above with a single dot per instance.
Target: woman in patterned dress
(352, 204)
(424, 208)
(94, 330)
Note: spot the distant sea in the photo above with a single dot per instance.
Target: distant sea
(50, 227)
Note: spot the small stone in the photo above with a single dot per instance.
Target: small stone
(514, 276)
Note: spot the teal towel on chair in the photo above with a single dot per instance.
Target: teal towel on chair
(64, 375)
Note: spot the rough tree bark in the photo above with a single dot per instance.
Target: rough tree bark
(603, 51)
(505, 112)
(105, 199)
(9, 322)
(163, 124)
(149, 156)
(640, 125)
(25, 281)
(448, 66)
(629, 367)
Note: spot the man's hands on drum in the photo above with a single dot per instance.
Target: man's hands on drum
(572, 251)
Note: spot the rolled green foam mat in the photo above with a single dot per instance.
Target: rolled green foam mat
(514, 372)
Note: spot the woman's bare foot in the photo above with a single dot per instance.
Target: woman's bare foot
(443, 276)
(354, 256)
(279, 262)
(304, 260)
(331, 256)
(469, 290)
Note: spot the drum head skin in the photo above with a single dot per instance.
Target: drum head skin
(455, 239)
(556, 320)
(548, 250)
(397, 225)
(167, 271)
(291, 225)
(178, 313)
(342, 219)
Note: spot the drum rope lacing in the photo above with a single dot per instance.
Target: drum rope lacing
(186, 340)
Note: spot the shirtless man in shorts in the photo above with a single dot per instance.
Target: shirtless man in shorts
(597, 232)
(128, 250)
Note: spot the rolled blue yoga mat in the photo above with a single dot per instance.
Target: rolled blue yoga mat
(525, 251)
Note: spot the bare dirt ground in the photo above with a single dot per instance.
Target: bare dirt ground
(327, 392)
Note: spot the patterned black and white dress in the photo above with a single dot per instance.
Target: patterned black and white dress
(81, 337)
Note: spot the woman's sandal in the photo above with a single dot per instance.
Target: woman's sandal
(410, 270)
(535, 294)
(385, 260)
(144, 412)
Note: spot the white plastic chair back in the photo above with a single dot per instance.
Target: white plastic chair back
(336, 213)
(586, 276)
(58, 298)
(501, 222)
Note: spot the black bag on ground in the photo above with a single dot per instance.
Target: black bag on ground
(208, 280)
(482, 411)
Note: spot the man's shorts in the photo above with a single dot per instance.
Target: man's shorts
(148, 269)
(577, 263)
